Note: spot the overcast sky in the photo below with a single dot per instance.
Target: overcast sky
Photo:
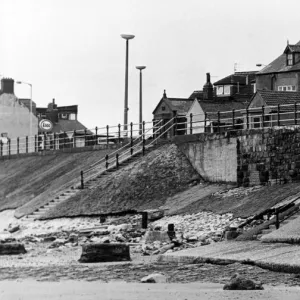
(71, 50)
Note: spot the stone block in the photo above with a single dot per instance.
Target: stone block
(12, 249)
(104, 253)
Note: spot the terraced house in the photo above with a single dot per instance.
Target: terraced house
(283, 73)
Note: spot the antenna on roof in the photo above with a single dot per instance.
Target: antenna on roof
(288, 42)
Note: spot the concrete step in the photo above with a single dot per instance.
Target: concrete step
(266, 231)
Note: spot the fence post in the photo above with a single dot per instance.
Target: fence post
(1, 148)
(131, 139)
(85, 138)
(296, 121)
(82, 181)
(96, 132)
(233, 118)
(205, 121)
(175, 124)
(119, 133)
(144, 220)
(9, 147)
(35, 143)
(191, 123)
(106, 161)
(18, 145)
(219, 120)
(278, 115)
(107, 135)
(74, 139)
(247, 117)
(277, 218)
(144, 137)
(26, 143)
(263, 116)
(117, 160)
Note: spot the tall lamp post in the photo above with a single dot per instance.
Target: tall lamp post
(127, 37)
(30, 116)
(141, 97)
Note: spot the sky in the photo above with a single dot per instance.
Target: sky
(71, 50)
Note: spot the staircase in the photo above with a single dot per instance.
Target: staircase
(104, 167)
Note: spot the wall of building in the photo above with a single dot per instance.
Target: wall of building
(15, 122)
(281, 79)
(198, 118)
(213, 156)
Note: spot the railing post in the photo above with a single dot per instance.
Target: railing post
(144, 220)
(82, 181)
(278, 115)
(1, 148)
(65, 140)
(18, 145)
(205, 121)
(9, 147)
(175, 124)
(106, 161)
(26, 143)
(131, 139)
(233, 118)
(85, 137)
(144, 137)
(263, 116)
(35, 143)
(277, 218)
(191, 123)
(74, 139)
(119, 133)
(117, 160)
(295, 116)
(96, 132)
(247, 117)
(107, 135)
(219, 120)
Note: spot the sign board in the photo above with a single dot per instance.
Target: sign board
(46, 125)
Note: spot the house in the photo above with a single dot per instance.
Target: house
(215, 106)
(16, 121)
(167, 109)
(64, 131)
(283, 73)
(273, 108)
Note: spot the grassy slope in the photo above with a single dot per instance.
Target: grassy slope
(27, 183)
(144, 184)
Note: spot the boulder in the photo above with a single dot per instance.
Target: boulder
(155, 214)
(238, 282)
(161, 236)
(104, 253)
(154, 278)
(12, 249)
(14, 229)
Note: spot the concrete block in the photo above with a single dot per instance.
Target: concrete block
(161, 236)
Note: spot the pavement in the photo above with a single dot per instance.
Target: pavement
(276, 257)
(71, 290)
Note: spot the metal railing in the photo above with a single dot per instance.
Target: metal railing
(134, 147)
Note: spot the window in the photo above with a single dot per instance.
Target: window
(4, 134)
(290, 59)
(64, 116)
(287, 88)
(223, 90)
(72, 117)
(163, 108)
(256, 122)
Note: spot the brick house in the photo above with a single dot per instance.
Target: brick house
(283, 73)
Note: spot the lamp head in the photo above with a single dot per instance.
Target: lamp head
(19, 82)
(127, 36)
(141, 67)
(259, 65)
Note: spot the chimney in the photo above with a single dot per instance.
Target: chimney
(7, 86)
(208, 89)
(53, 104)
(165, 94)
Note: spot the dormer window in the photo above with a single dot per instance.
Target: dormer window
(290, 59)
(223, 90)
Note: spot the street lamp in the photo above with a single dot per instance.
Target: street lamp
(30, 116)
(141, 107)
(127, 37)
